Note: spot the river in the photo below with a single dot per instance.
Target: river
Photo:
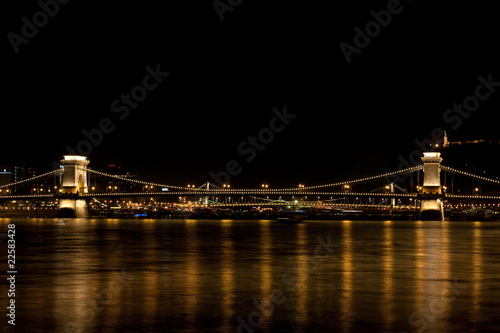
(111, 275)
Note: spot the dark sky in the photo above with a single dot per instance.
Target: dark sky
(227, 76)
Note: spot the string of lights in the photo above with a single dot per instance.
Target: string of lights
(445, 168)
(387, 174)
(264, 190)
(130, 180)
(248, 191)
(54, 172)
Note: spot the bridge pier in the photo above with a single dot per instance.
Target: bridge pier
(431, 210)
(431, 207)
(74, 183)
(73, 208)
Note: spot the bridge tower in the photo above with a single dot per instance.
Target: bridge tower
(431, 207)
(74, 183)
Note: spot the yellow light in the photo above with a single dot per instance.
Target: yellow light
(74, 158)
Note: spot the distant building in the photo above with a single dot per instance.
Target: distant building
(23, 171)
(19, 172)
(5, 174)
(447, 143)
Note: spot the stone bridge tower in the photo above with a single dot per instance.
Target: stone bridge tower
(74, 183)
(431, 207)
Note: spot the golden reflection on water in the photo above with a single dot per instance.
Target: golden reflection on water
(227, 275)
(388, 263)
(477, 263)
(74, 298)
(302, 275)
(445, 268)
(266, 274)
(191, 283)
(419, 264)
(433, 287)
(151, 278)
(346, 302)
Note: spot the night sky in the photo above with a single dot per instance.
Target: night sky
(226, 78)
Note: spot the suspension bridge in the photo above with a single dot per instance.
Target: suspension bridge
(424, 187)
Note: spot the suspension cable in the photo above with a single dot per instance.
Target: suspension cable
(443, 167)
(131, 180)
(54, 172)
(387, 174)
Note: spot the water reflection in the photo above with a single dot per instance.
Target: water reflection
(433, 276)
(346, 301)
(191, 275)
(384, 274)
(227, 275)
(388, 263)
(149, 275)
(303, 263)
(419, 271)
(266, 273)
(436, 273)
(477, 264)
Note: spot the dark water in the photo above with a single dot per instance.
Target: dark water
(261, 276)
